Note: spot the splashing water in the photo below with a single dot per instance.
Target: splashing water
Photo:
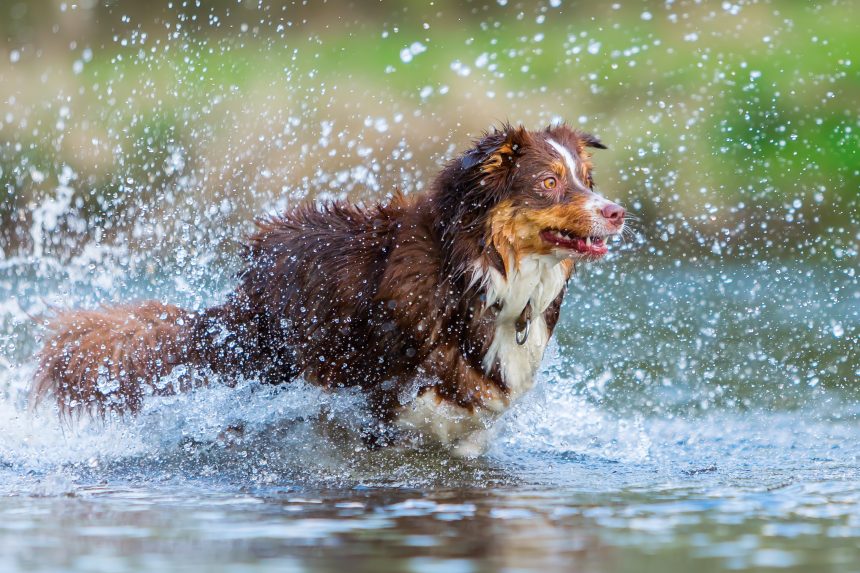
(698, 402)
(602, 455)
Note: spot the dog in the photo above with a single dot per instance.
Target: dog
(437, 306)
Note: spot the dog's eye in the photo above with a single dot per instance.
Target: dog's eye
(549, 183)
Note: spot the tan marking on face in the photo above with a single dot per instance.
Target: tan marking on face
(515, 231)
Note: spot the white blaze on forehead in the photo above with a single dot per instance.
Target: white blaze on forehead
(567, 156)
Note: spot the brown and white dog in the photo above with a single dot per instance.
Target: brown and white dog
(438, 306)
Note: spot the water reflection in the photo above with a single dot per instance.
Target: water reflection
(198, 527)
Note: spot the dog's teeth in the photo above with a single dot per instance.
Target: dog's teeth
(588, 241)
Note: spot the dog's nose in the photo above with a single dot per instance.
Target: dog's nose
(613, 212)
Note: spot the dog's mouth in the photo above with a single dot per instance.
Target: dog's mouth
(592, 246)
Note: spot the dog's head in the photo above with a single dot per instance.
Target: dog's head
(530, 193)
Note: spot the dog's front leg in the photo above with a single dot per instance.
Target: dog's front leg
(459, 406)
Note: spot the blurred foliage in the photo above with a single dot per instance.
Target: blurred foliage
(733, 127)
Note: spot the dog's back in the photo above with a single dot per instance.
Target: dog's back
(312, 282)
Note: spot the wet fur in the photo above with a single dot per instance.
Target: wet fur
(404, 299)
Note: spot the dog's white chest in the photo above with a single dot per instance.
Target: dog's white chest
(538, 281)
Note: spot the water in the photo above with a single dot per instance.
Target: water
(698, 413)
(698, 409)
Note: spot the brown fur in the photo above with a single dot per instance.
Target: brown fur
(377, 297)
(126, 349)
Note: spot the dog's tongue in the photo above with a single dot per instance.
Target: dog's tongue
(595, 247)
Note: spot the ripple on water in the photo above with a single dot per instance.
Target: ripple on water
(571, 477)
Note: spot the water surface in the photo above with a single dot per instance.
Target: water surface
(690, 414)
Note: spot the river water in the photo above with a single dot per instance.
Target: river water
(691, 413)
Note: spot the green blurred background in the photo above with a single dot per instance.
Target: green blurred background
(701, 406)
(733, 127)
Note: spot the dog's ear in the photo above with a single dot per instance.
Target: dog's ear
(509, 145)
(497, 151)
(589, 140)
